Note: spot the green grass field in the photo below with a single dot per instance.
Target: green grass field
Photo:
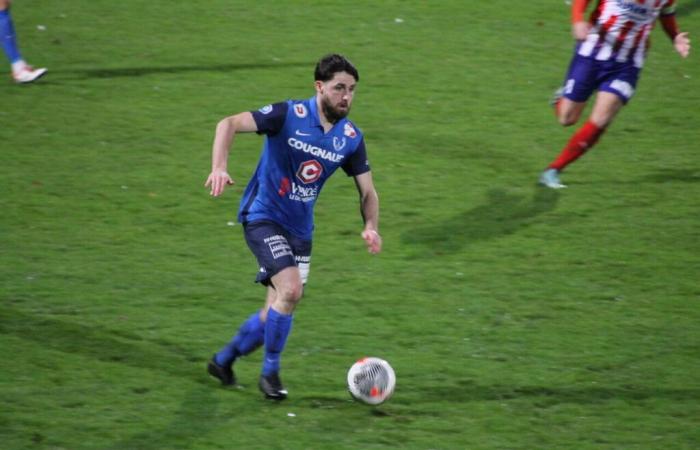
(515, 317)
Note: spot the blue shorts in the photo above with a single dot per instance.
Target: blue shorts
(585, 75)
(275, 249)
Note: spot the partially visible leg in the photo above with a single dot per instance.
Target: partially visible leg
(7, 33)
(250, 336)
(606, 107)
(288, 290)
(569, 103)
(271, 295)
(568, 112)
(579, 83)
(21, 71)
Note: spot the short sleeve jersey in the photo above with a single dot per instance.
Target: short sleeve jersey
(620, 29)
(297, 159)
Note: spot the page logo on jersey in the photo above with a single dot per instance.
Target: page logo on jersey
(300, 110)
(338, 144)
(267, 109)
(309, 171)
(349, 131)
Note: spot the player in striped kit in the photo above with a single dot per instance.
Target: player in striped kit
(610, 51)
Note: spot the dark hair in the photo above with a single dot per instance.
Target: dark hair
(331, 64)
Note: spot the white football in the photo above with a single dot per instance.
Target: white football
(371, 380)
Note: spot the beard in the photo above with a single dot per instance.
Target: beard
(332, 113)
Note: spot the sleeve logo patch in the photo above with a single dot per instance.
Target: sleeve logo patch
(349, 131)
(300, 110)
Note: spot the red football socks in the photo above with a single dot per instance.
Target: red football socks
(580, 142)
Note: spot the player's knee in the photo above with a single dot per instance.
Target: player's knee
(291, 292)
(601, 121)
(566, 120)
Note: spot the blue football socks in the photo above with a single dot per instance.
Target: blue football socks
(250, 336)
(277, 328)
(8, 38)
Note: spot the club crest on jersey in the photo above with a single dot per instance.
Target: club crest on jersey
(300, 110)
(338, 144)
(633, 7)
(349, 131)
(309, 171)
(267, 109)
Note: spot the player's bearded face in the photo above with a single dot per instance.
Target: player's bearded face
(337, 95)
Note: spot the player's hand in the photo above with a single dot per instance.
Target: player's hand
(580, 30)
(373, 241)
(217, 181)
(682, 44)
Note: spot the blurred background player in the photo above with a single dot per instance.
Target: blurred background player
(608, 57)
(306, 141)
(21, 71)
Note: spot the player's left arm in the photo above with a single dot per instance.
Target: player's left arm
(681, 41)
(369, 207)
(579, 25)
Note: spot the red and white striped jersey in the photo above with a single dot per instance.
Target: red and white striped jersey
(621, 28)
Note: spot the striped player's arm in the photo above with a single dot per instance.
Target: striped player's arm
(668, 19)
(578, 10)
(580, 26)
(681, 42)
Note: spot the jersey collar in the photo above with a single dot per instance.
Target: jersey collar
(313, 114)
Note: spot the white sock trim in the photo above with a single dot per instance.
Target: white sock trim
(19, 65)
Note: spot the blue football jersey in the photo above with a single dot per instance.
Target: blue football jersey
(297, 159)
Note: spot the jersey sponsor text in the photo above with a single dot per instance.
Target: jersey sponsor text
(313, 150)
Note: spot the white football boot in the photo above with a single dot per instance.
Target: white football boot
(27, 74)
(550, 178)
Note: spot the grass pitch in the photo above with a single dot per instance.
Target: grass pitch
(515, 317)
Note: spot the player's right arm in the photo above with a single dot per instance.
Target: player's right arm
(681, 41)
(226, 130)
(579, 25)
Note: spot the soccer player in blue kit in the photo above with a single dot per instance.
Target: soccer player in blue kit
(306, 141)
(21, 71)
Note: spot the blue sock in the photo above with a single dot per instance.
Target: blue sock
(8, 38)
(277, 329)
(250, 336)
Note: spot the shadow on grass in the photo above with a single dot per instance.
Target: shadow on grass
(468, 390)
(103, 345)
(198, 414)
(674, 175)
(687, 8)
(158, 70)
(199, 411)
(500, 215)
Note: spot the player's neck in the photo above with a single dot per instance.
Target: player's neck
(325, 123)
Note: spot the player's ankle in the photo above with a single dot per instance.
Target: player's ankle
(19, 65)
